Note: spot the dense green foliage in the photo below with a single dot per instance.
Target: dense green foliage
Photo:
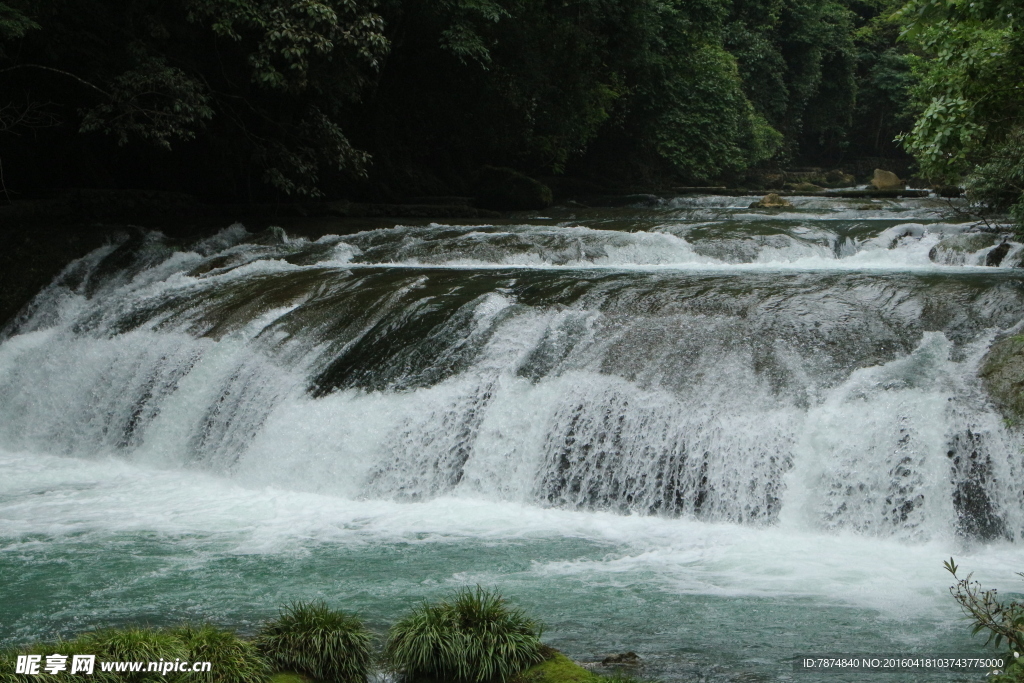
(471, 638)
(312, 639)
(250, 98)
(969, 104)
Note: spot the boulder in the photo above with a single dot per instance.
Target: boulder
(886, 180)
(838, 178)
(771, 201)
(505, 189)
(1002, 372)
(953, 251)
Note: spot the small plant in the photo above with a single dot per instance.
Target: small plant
(1004, 621)
(312, 639)
(472, 638)
(232, 660)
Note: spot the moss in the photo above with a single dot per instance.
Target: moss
(558, 669)
(1002, 371)
(289, 677)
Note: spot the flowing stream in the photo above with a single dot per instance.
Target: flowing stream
(716, 436)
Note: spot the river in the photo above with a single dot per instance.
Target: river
(717, 436)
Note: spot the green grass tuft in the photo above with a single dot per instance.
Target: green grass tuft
(126, 644)
(472, 638)
(232, 660)
(312, 639)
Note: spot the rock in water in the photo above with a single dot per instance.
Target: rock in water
(803, 187)
(771, 201)
(953, 251)
(886, 180)
(1002, 371)
(505, 189)
(838, 178)
(996, 256)
(627, 658)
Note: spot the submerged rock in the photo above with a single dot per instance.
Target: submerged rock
(1002, 371)
(953, 251)
(505, 189)
(771, 201)
(624, 658)
(886, 180)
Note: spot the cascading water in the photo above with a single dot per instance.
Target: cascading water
(678, 373)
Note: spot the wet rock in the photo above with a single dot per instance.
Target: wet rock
(954, 250)
(803, 187)
(771, 201)
(625, 658)
(838, 178)
(886, 180)
(949, 191)
(971, 470)
(1002, 372)
(996, 256)
(272, 236)
(505, 189)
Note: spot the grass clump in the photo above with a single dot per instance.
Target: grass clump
(124, 644)
(232, 660)
(312, 639)
(471, 638)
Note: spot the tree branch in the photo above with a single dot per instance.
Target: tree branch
(62, 73)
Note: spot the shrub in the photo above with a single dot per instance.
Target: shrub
(312, 639)
(471, 638)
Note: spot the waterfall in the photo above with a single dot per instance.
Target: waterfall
(814, 369)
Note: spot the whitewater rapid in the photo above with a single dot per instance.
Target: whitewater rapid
(690, 402)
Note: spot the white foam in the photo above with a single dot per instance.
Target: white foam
(51, 500)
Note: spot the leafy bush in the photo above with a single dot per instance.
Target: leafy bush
(311, 638)
(473, 637)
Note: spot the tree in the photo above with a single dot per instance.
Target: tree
(969, 104)
(264, 80)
